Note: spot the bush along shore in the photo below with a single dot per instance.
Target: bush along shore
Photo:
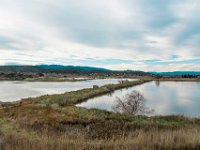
(54, 123)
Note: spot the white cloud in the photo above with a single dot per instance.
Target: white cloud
(35, 32)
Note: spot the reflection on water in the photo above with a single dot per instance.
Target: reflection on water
(157, 83)
(15, 90)
(165, 98)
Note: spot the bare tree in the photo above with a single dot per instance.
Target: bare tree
(132, 103)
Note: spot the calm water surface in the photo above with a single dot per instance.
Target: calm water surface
(165, 98)
(15, 90)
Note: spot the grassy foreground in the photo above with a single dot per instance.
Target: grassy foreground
(44, 123)
(37, 127)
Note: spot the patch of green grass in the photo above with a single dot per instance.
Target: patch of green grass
(7, 127)
(154, 120)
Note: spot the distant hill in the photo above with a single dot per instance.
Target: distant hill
(81, 68)
(86, 70)
(177, 73)
(65, 69)
(51, 69)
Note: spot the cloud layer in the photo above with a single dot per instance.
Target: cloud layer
(149, 35)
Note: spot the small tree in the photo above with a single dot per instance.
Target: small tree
(132, 103)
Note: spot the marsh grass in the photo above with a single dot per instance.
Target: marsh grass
(139, 139)
(44, 123)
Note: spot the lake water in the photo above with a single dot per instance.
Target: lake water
(15, 90)
(166, 98)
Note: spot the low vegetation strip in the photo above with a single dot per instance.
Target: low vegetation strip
(75, 97)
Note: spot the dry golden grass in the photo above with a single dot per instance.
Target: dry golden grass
(35, 127)
(139, 139)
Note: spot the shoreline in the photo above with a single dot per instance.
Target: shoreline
(50, 80)
(85, 78)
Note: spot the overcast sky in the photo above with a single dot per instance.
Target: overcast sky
(149, 35)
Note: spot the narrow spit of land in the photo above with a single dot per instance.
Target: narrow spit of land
(75, 97)
(53, 122)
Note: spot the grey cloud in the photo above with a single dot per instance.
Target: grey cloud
(5, 43)
(83, 23)
(158, 12)
(190, 30)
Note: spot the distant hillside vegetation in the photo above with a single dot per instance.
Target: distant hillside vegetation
(64, 69)
(51, 69)
(177, 73)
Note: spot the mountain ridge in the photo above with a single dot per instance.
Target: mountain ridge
(54, 68)
(177, 73)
